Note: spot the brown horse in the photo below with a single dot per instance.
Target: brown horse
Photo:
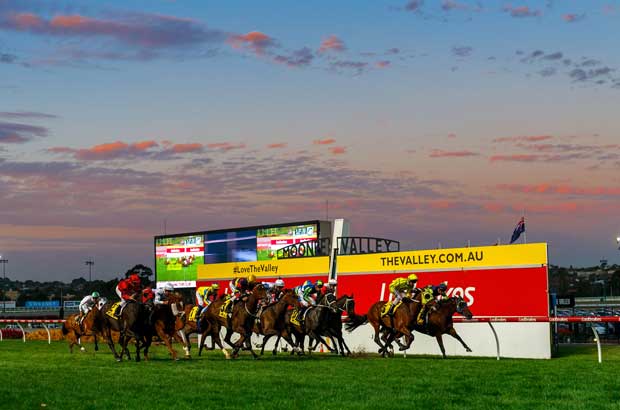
(73, 331)
(440, 321)
(399, 323)
(185, 328)
(244, 312)
(271, 321)
(162, 323)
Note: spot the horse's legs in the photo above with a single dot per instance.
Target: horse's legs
(440, 343)
(265, 339)
(452, 332)
(161, 332)
(377, 333)
(108, 336)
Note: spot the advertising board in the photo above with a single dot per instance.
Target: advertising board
(230, 246)
(177, 259)
(495, 280)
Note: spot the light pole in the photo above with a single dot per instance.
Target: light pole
(90, 264)
(3, 261)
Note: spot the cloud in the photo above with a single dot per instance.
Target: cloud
(6, 58)
(277, 145)
(26, 115)
(562, 190)
(357, 66)
(225, 146)
(298, 58)
(383, 64)
(137, 29)
(254, 41)
(526, 138)
(111, 151)
(326, 141)
(516, 158)
(439, 153)
(414, 5)
(462, 51)
(332, 43)
(16, 133)
(521, 11)
(573, 18)
(337, 150)
(449, 5)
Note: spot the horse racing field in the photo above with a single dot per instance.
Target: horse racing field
(36, 375)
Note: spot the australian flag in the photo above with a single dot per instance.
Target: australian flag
(519, 229)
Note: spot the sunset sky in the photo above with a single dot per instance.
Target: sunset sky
(428, 122)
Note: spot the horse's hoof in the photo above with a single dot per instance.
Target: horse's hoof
(469, 350)
(82, 349)
(118, 359)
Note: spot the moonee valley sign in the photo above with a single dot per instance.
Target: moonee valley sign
(353, 245)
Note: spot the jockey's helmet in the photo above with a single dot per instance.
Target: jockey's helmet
(413, 277)
(95, 295)
(319, 284)
(169, 288)
(443, 287)
(279, 283)
(215, 286)
(243, 282)
(252, 278)
(135, 279)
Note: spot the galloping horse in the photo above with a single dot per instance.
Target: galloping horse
(73, 331)
(333, 327)
(440, 321)
(131, 324)
(271, 320)
(315, 318)
(162, 323)
(244, 313)
(401, 322)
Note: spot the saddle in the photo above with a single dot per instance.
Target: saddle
(226, 309)
(298, 317)
(389, 308)
(193, 314)
(114, 311)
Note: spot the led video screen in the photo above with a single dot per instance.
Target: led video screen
(269, 240)
(230, 246)
(177, 257)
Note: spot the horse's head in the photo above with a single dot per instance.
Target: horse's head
(346, 303)
(290, 298)
(260, 292)
(462, 308)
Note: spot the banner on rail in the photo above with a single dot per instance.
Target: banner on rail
(494, 280)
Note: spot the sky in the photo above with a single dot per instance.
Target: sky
(435, 123)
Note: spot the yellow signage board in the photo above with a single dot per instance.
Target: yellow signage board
(265, 269)
(436, 259)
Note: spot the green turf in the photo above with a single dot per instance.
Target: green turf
(36, 375)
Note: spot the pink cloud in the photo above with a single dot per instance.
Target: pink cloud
(332, 43)
(526, 138)
(277, 145)
(337, 150)
(326, 141)
(225, 146)
(185, 148)
(545, 188)
(438, 153)
(383, 64)
(110, 150)
(522, 11)
(573, 18)
(255, 41)
(516, 158)
(452, 135)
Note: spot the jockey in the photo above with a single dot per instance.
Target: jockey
(402, 287)
(304, 293)
(163, 294)
(238, 287)
(330, 288)
(431, 293)
(147, 295)
(126, 288)
(274, 290)
(206, 294)
(87, 303)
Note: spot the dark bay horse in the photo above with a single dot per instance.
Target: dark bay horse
(314, 320)
(440, 321)
(244, 313)
(333, 325)
(271, 320)
(131, 324)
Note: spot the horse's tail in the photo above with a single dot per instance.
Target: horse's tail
(355, 322)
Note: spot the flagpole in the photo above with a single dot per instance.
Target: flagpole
(525, 230)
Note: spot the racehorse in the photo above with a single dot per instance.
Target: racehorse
(131, 324)
(162, 321)
(333, 327)
(73, 331)
(401, 322)
(271, 320)
(244, 313)
(440, 321)
(314, 318)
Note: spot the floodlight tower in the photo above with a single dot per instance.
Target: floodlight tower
(90, 264)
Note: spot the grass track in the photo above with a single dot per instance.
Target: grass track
(36, 373)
